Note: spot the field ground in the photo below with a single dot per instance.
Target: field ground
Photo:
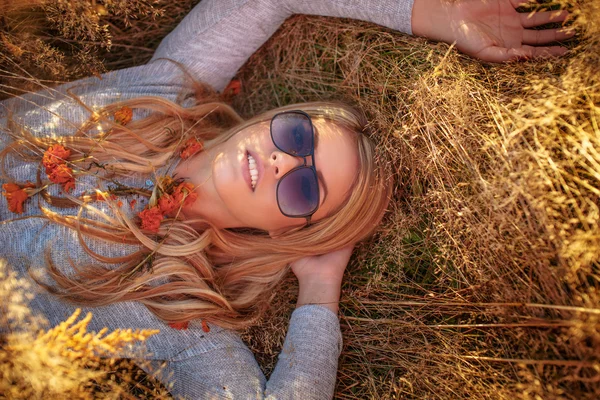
(484, 281)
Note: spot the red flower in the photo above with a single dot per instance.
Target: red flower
(185, 191)
(151, 219)
(63, 175)
(123, 115)
(191, 147)
(233, 88)
(55, 155)
(168, 204)
(15, 196)
(132, 203)
(179, 325)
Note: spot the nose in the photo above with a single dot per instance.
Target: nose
(283, 163)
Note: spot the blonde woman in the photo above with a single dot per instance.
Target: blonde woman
(155, 206)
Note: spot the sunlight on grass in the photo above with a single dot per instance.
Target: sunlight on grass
(484, 281)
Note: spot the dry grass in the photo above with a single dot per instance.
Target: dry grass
(65, 361)
(484, 280)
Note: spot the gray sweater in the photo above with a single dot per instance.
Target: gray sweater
(212, 42)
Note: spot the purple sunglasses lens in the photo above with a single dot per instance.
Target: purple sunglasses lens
(292, 132)
(298, 192)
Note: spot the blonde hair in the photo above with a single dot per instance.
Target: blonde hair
(217, 275)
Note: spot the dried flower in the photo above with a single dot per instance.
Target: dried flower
(168, 204)
(63, 175)
(123, 115)
(191, 147)
(55, 155)
(233, 88)
(151, 219)
(16, 196)
(179, 325)
(184, 193)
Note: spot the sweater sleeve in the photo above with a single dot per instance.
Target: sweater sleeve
(306, 368)
(217, 37)
(308, 362)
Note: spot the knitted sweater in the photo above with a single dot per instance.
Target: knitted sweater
(212, 42)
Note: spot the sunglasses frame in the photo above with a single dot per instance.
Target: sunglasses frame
(304, 166)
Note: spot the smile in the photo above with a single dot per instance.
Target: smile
(251, 169)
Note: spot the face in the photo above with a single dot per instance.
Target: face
(253, 202)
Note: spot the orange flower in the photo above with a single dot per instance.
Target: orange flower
(123, 115)
(233, 88)
(151, 219)
(16, 196)
(185, 191)
(63, 175)
(191, 147)
(55, 155)
(179, 325)
(132, 203)
(205, 326)
(168, 204)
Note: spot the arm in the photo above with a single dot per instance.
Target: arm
(217, 37)
(309, 358)
(307, 365)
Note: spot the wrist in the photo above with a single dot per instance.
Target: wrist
(323, 293)
(433, 19)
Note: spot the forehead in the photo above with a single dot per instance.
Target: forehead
(336, 161)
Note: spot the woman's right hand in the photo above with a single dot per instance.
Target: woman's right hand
(491, 30)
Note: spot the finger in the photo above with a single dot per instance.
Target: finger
(527, 52)
(545, 36)
(520, 3)
(502, 54)
(533, 19)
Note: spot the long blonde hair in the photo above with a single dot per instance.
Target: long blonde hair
(221, 276)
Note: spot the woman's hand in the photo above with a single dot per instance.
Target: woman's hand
(320, 278)
(491, 30)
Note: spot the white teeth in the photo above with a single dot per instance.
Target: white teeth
(253, 170)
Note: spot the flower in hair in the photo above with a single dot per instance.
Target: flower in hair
(167, 204)
(63, 175)
(179, 325)
(123, 115)
(151, 219)
(184, 194)
(191, 147)
(172, 196)
(55, 162)
(55, 155)
(16, 195)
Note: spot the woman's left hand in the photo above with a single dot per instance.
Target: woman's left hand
(320, 278)
(491, 30)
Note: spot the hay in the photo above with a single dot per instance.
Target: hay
(484, 279)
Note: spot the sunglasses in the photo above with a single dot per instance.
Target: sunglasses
(298, 190)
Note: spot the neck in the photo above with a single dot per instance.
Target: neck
(209, 206)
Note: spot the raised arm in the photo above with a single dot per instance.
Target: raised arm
(217, 37)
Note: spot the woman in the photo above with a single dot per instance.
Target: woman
(245, 252)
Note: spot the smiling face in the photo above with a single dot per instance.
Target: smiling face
(238, 200)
